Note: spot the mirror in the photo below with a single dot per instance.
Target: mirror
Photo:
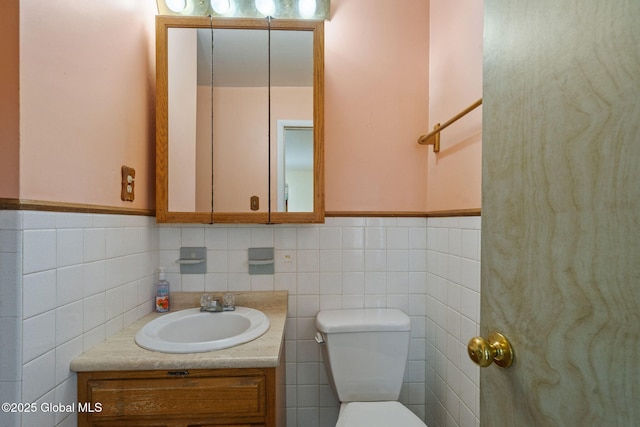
(239, 127)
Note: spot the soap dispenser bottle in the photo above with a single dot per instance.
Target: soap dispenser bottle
(162, 292)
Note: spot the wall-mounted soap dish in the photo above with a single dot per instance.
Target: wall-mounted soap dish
(192, 260)
(261, 261)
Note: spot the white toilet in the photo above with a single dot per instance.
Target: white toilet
(365, 351)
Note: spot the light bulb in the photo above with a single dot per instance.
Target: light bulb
(176, 5)
(266, 7)
(307, 8)
(221, 6)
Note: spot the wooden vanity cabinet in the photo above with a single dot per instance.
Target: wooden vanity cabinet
(183, 398)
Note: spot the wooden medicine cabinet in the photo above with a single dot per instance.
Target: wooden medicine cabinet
(239, 120)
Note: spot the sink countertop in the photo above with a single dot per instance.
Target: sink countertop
(121, 353)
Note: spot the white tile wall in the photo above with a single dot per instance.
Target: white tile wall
(346, 262)
(452, 317)
(10, 311)
(68, 281)
(62, 290)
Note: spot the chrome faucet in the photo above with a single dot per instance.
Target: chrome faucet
(214, 305)
(207, 303)
(229, 302)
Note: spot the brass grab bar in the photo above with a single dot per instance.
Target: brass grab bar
(433, 137)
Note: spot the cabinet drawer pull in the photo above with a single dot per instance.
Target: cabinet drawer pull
(178, 373)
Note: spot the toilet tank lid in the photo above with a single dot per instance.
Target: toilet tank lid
(362, 320)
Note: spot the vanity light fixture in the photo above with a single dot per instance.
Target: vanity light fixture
(221, 7)
(316, 10)
(177, 5)
(266, 7)
(307, 8)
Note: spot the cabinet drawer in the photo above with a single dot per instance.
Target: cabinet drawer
(208, 396)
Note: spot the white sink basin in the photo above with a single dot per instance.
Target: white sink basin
(193, 331)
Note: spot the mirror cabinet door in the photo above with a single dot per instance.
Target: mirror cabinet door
(239, 103)
(240, 118)
(292, 120)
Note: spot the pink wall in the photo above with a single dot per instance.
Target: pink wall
(87, 75)
(240, 164)
(376, 95)
(455, 82)
(87, 78)
(9, 100)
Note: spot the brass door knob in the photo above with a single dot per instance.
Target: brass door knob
(495, 349)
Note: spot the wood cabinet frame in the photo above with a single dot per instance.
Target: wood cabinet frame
(163, 214)
(182, 398)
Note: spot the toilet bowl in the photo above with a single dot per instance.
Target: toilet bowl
(365, 351)
(377, 414)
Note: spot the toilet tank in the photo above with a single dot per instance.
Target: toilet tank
(365, 351)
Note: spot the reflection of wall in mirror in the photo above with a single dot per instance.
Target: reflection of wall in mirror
(241, 144)
(239, 141)
(295, 166)
(300, 183)
(182, 108)
(290, 104)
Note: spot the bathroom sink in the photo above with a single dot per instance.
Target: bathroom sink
(193, 331)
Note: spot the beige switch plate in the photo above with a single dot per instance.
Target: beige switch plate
(254, 203)
(127, 192)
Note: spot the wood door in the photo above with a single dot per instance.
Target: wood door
(561, 212)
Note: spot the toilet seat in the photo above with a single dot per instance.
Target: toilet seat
(377, 414)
